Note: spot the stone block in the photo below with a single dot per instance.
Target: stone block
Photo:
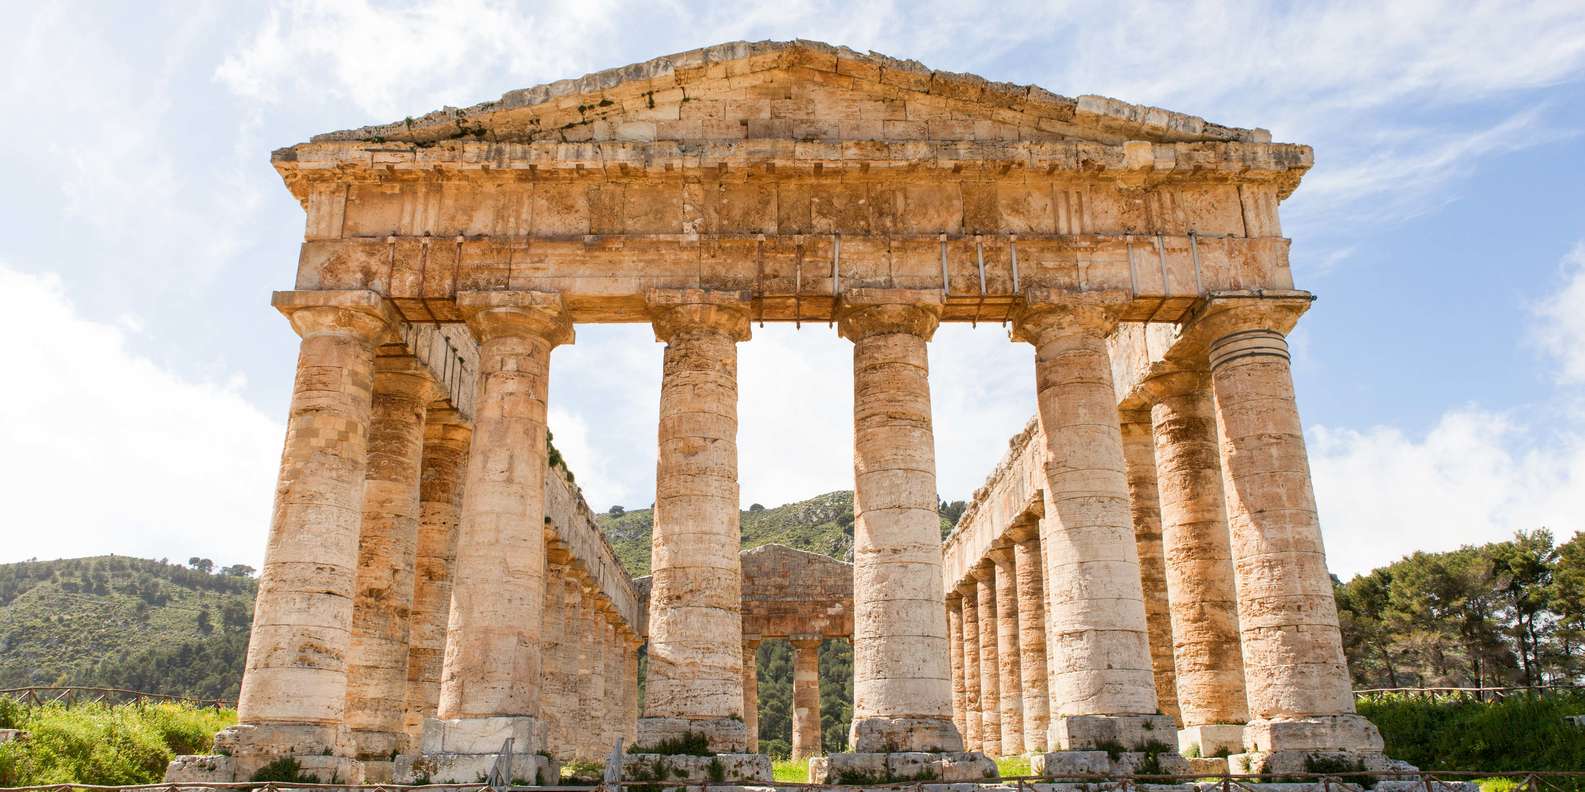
(1212, 739)
(723, 768)
(1208, 765)
(1060, 764)
(1099, 732)
(472, 768)
(1323, 733)
(890, 735)
(12, 735)
(1415, 785)
(1287, 762)
(723, 735)
(482, 735)
(879, 768)
(200, 769)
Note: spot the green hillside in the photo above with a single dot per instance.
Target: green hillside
(822, 524)
(125, 622)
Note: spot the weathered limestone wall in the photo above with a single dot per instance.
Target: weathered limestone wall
(790, 593)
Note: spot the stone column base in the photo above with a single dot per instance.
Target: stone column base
(242, 751)
(1295, 762)
(904, 735)
(1211, 739)
(721, 736)
(893, 767)
(665, 770)
(1352, 733)
(1147, 733)
(1079, 764)
(464, 750)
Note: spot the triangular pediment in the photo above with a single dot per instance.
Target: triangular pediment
(781, 558)
(797, 90)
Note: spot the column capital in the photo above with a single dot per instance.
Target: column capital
(1172, 381)
(1052, 312)
(674, 311)
(1134, 419)
(752, 643)
(1024, 529)
(1225, 314)
(967, 587)
(400, 373)
(806, 644)
(445, 425)
(502, 314)
(358, 312)
(1001, 555)
(865, 312)
(984, 571)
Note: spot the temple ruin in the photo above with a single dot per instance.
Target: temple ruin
(1145, 568)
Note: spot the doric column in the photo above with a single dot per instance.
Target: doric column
(559, 651)
(1296, 676)
(1199, 564)
(695, 626)
(902, 689)
(1101, 683)
(751, 692)
(611, 708)
(296, 674)
(1145, 507)
(493, 663)
(1031, 634)
(446, 437)
(630, 686)
(806, 698)
(591, 672)
(1009, 655)
(387, 552)
(990, 669)
(968, 598)
(955, 658)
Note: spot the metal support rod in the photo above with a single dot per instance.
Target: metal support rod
(1012, 249)
(945, 282)
(1161, 258)
(836, 276)
(1194, 251)
(1133, 269)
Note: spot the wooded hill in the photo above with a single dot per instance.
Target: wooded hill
(125, 622)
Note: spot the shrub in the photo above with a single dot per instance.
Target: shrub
(95, 743)
(1518, 733)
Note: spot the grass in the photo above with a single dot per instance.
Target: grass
(1014, 766)
(102, 744)
(796, 771)
(1519, 733)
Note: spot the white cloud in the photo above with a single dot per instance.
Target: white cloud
(107, 452)
(1559, 324)
(1476, 476)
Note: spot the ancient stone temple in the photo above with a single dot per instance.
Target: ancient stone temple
(435, 603)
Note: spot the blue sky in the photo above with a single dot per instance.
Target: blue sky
(1440, 375)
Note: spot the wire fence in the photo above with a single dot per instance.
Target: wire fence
(105, 695)
(1465, 693)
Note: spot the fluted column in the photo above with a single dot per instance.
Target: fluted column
(806, 698)
(1009, 657)
(1296, 676)
(968, 597)
(1101, 683)
(1031, 634)
(446, 437)
(955, 657)
(990, 669)
(611, 707)
(630, 687)
(902, 688)
(751, 692)
(493, 663)
(387, 552)
(1145, 509)
(296, 674)
(696, 630)
(1199, 563)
